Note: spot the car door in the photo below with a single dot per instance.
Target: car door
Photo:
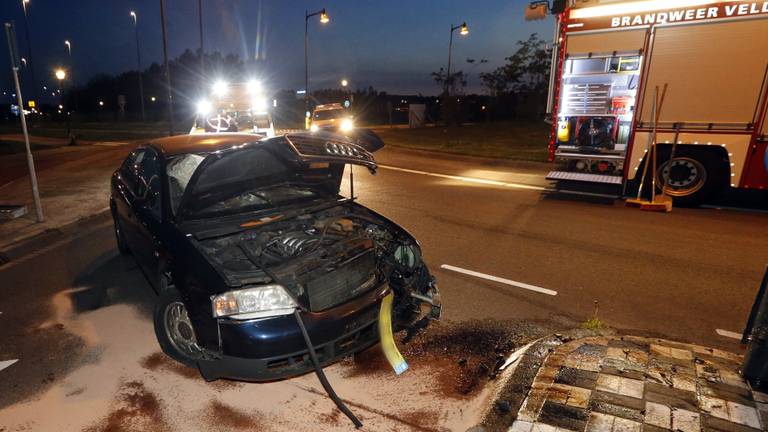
(148, 210)
(125, 197)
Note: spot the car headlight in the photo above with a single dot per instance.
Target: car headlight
(313, 128)
(346, 125)
(259, 105)
(203, 107)
(255, 302)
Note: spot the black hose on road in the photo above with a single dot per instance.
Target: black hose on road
(321, 375)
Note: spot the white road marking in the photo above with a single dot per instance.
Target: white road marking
(728, 334)
(468, 179)
(500, 280)
(5, 363)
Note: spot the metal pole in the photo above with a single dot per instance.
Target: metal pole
(448, 73)
(30, 161)
(306, 65)
(29, 51)
(138, 66)
(202, 59)
(167, 69)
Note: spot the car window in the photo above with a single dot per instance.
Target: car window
(329, 114)
(180, 171)
(148, 184)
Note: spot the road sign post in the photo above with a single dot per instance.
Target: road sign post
(11, 36)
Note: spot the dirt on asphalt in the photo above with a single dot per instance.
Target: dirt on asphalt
(136, 408)
(462, 357)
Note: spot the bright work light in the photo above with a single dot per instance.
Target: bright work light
(220, 88)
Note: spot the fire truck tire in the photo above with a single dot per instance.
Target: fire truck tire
(692, 176)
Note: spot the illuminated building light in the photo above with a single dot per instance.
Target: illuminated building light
(633, 7)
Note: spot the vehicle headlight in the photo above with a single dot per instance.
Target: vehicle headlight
(255, 302)
(259, 105)
(313, 128)
(203, 107)
(346, 125)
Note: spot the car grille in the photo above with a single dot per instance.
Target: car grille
(356, 277)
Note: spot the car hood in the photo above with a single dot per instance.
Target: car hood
(298, 151)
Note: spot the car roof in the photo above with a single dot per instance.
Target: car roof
(201, 143)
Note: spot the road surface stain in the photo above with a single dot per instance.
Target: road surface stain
(159, 361)
(136, 409)
(225, 417)
(460, 357)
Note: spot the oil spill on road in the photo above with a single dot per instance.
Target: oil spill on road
(136, 409)
(226, 417)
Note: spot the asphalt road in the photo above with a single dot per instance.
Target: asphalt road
(76, 315)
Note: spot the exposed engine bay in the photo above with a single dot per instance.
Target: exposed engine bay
(328, 257)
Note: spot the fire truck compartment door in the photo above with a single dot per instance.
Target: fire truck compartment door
(714, 71)
(605, 42)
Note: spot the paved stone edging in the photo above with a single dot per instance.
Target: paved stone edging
(628, 383)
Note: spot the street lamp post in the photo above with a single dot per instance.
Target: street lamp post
(167, 68)
(138, 64)
(25, 5)
(464, 31)
(68, 44)
(323, 20)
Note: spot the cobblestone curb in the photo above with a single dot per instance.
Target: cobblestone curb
(626, 383)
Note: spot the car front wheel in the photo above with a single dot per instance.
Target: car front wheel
(174, 330)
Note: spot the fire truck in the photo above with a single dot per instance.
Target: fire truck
(608, 60)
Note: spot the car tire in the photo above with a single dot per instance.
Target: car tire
(174, 330)
(122, 246)
(701, 175)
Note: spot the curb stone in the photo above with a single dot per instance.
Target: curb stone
(608, 382)
(518, 384)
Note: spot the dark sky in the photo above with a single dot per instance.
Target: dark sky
(392, 45)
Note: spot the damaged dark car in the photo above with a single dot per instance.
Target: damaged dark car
(258, 260)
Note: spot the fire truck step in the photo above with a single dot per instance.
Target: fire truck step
(584, 177)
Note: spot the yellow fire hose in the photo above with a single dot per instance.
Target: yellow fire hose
(388, 345)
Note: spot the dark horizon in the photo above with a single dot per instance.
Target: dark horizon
(392, 47)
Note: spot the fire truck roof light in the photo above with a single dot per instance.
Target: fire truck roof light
(633, 7)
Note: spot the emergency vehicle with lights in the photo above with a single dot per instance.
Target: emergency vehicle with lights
(608, 59)
(234, 107)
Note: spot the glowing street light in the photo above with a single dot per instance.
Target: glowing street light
(323, 20)
(69, 47)
(344, 83)
(101, 103)
(153, 98)
(463, 30)
(60, 74)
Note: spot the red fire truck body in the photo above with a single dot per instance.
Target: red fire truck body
(610, 57)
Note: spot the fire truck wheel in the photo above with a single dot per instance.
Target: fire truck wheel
(692, 177)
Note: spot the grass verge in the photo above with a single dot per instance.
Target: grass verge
(502, 140)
